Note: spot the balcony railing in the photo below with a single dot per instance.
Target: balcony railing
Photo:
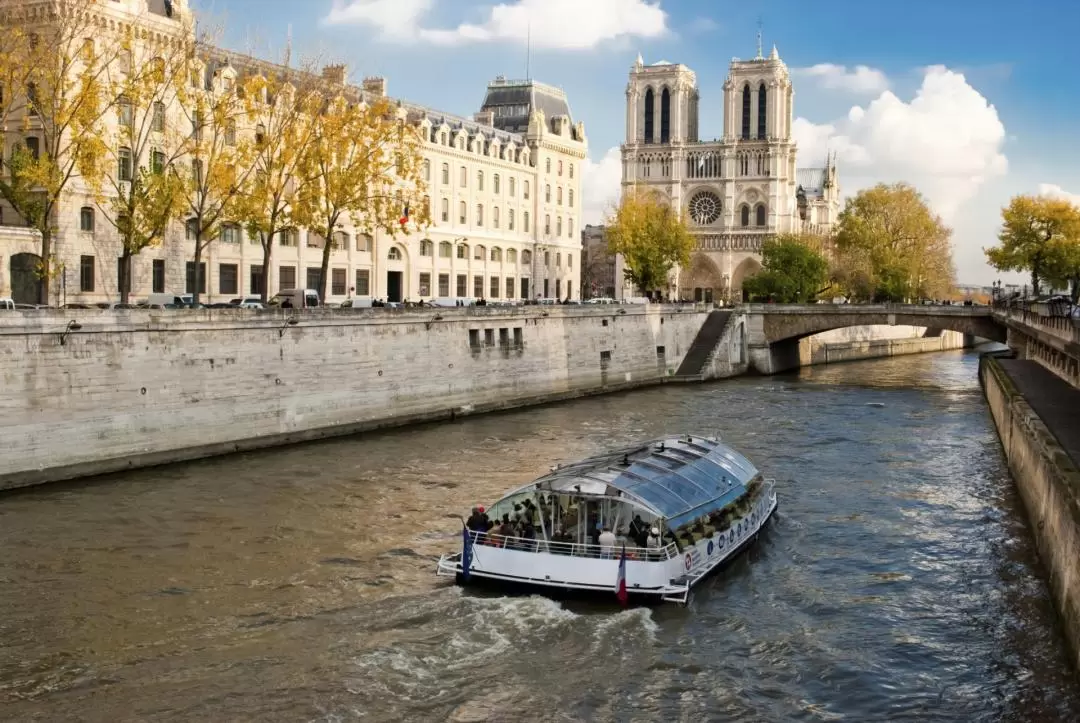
(574, 549)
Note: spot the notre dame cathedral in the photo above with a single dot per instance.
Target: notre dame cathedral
(735, 191)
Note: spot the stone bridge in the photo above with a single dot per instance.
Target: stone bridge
(773, 331)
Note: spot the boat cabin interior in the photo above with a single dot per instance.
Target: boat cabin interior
(655, 499)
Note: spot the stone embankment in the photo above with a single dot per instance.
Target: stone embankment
(89, 392)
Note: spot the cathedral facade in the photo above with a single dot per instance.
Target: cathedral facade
(735, 191)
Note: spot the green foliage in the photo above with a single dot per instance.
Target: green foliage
(792, 273)
(651, 237)
(891, 247)
(1040, 235)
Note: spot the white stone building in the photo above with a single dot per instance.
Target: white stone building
(737, 190)
(504, 189)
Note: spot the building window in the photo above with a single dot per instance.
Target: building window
(337, 281)
(762, 110)
(526, 257)
(158, 123)
(558, 260)
(509, 287)
(495, 184)
(464, 177)
(427, 248)
(255, 280)
(123, 165)
(548, 166)
(157, 162)
(363, 282)
(560, 168)
(446, 174)
(339, 241)
(86, 218)
(525, 220)
(571, 170)
(512, 189)
(650, 102)
(479, 180)
(462, 284)
(158, 280)
(463, 252)
(479, 253)
(479, 214)
(230, 133)
(424, 288)
(191, 285)
(547, 193)
(744, 216)
(445, 250)
(394, 254)
(286, 277)
(558, 226)
(524, 288)
(228, 279)
(547, 260)
(314, 277)
(494, 287)
(364, 242)
(496, 254)
(463, 214)
(759, 212)
(478, 287)
(746, 112)
(569, 261)
(525, 191)
(570, 227)
(230, 234)
(86, 273)
(510, 220)
(495, 217)
(427, 170)
(191, 229)
(570, 198)
(446, 210)
(665, 116)
(444, 285)
(289, 237)
(547, 225)
(33, 147)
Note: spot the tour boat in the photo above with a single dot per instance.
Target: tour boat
(647, 522)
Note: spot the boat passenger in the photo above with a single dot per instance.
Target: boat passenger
(607, 543)
(478, 521)
(653, 540)
(639, 531)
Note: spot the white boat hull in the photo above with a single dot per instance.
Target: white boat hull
(662, 580)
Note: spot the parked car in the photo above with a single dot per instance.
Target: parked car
(248, 302)
(295, 298)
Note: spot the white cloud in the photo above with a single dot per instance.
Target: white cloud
(860, 79)
(704, 24)
(601, 184)
(561, 24)
(1055, 191)
(947, 141)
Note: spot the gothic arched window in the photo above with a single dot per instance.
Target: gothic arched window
(762, 110)
(665, 116)
(759, 212)
(744, 216)
(649, 103)
(746, 112)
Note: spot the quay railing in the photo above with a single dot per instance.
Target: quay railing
(1059, 318)
(573, 549)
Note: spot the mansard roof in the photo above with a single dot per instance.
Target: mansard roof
(512, 101)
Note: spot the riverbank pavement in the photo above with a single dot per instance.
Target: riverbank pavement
(1052, 398)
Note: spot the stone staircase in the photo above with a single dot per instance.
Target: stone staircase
(695, 361)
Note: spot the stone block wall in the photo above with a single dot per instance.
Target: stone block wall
(132, 388)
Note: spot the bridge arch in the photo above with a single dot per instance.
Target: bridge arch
(789, 323)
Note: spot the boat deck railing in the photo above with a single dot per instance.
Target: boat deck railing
(574, 549)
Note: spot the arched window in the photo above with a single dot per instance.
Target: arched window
(746, 112)
(526, 257)
(463, 251)
(479, 253)
(744, 216)
(665, 116)
(463, 213)
(394, 254)
(495, 217)
(526, 221)
(86, 219)
(649, 112)
(558, 195)
(570, 228)
(558, 226)
(464, 177)
(427, 248)
(479, 180)
(547, 193)
(759, 214)
(560, 168)
(513, 186)
(496, 254)
(570, 198)
(445, 250)
(511, 256)
(495, 183)
(762, 110)
(446, 174)
(548, 165)
(479, 214)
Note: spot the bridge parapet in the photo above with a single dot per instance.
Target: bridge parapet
(1044, 318)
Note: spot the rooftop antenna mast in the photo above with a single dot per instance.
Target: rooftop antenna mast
(528, 51)
(759, 55)
(288, 44)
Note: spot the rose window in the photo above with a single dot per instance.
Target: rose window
(704, 208)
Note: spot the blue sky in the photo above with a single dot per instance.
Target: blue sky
(972, 102)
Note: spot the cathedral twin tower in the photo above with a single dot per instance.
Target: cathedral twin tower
(737, 190)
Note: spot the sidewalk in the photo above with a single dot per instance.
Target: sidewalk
(1055, 401)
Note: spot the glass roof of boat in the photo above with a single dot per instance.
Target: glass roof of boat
(674, 477)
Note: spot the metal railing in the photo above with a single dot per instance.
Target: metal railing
(573, 549)
(1056, 317)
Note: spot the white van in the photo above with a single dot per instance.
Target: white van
(169, 300)
(295, 298)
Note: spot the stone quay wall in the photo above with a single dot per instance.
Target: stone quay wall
(121, 389)
(1049, 484)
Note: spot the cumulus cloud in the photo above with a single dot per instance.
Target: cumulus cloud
(556, 24)
(703, 24)
(601, 185)
(1055, 191)
(861, 79)
(947, 141)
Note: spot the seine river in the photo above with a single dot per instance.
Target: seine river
(899, 581)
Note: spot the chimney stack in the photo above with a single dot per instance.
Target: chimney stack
(334, 74)
(376, 86)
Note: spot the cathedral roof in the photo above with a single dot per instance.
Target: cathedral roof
(812, 181)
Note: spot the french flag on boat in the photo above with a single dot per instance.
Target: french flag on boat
(620, 581)
(466, 552)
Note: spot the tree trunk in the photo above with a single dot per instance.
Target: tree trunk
(45, 272)
(268, 252)
(124, 281)
(325, 269)
(197, 271)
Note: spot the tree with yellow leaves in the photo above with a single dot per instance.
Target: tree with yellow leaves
(141, 193)
(891, 247)
(218, 159)
(54, 69)
(652, 238)
(282, 108)
(366, 164)
(1041, 235)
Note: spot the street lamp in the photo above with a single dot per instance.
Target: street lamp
(71, 326)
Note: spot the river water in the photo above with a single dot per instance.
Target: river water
(898, 582)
